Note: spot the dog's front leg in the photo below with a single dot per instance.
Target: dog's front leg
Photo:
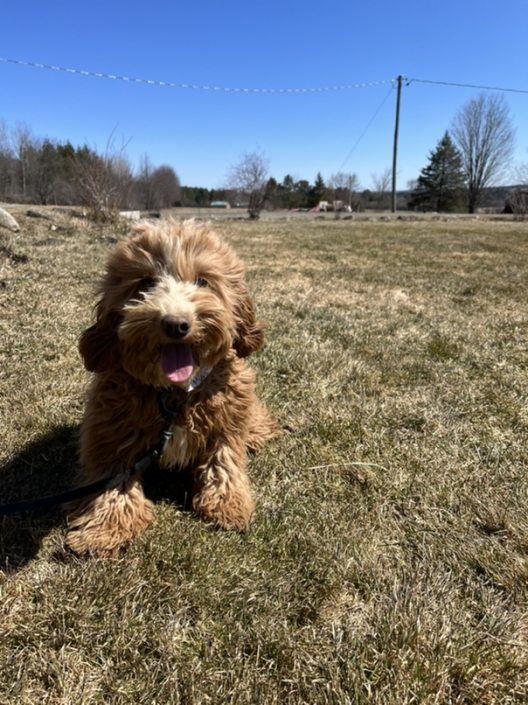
(102, 524)
(221, 492)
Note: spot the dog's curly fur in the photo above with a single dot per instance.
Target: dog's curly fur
(173, 307)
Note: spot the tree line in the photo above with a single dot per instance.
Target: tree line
(252, 186)
(290, 193)
(470, 157)
(474, 156)
(50, 172)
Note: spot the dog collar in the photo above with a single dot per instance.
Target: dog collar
(198, 378)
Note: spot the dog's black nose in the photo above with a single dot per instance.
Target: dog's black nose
(175, 327)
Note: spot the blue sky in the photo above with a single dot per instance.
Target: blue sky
(274, 45)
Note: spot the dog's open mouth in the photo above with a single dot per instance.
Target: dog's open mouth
(176, 362)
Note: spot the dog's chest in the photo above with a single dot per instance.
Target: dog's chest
(177, 452)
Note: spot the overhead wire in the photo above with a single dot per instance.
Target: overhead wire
(166, 84)
(319, 89)
(380, 106)
(466, 85)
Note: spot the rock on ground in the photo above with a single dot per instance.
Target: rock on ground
(7, 221)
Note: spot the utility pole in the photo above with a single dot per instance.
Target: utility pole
(395, 149)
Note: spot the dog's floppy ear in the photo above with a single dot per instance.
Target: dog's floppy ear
(250, 332)
(99, 344)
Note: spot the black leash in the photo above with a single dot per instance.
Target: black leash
(149, 460)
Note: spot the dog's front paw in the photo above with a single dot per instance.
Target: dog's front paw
(94, 543)
(108, 522)
(231, 511)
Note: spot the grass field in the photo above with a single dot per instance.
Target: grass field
(388, 558)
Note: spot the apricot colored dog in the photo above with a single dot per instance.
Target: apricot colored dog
(174, 314)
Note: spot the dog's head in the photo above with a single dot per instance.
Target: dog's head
(173, 299)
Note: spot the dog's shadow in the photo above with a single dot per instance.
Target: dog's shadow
(173, 486)
(47, 467)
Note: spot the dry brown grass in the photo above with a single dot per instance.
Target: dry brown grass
(388, 559)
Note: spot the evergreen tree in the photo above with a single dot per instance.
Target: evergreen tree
(317, 190)
(303, 189)
(286, 192)
(271, 193)
(46, 172)
(441, 184)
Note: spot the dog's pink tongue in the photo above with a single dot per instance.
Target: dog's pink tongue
(176, 362)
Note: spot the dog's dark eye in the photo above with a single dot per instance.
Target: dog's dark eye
(200, 282)
(147, 284)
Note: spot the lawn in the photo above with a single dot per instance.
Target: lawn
(387, 561)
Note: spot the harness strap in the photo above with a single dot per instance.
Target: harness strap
(148, 460)
(41, 503)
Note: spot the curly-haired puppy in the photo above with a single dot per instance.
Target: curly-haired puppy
(174, 314)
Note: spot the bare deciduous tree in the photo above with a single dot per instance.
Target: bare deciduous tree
(344, 188)
(144, 186)
(103, 181)
(156, 187)
(168, 188)
(250, 177)
(517, 201)
(26, 149)
(7, 162)
(484, 134)
(380, 187)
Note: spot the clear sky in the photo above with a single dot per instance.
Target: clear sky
(286, 44)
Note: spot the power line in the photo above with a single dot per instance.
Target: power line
(166, 84)
(320, 89)
(380, 106)
(340, 170)
(466, 85)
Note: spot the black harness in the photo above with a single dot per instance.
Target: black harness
(147, 461)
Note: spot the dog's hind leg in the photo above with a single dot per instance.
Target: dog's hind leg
(221, 492)
(262, 428)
